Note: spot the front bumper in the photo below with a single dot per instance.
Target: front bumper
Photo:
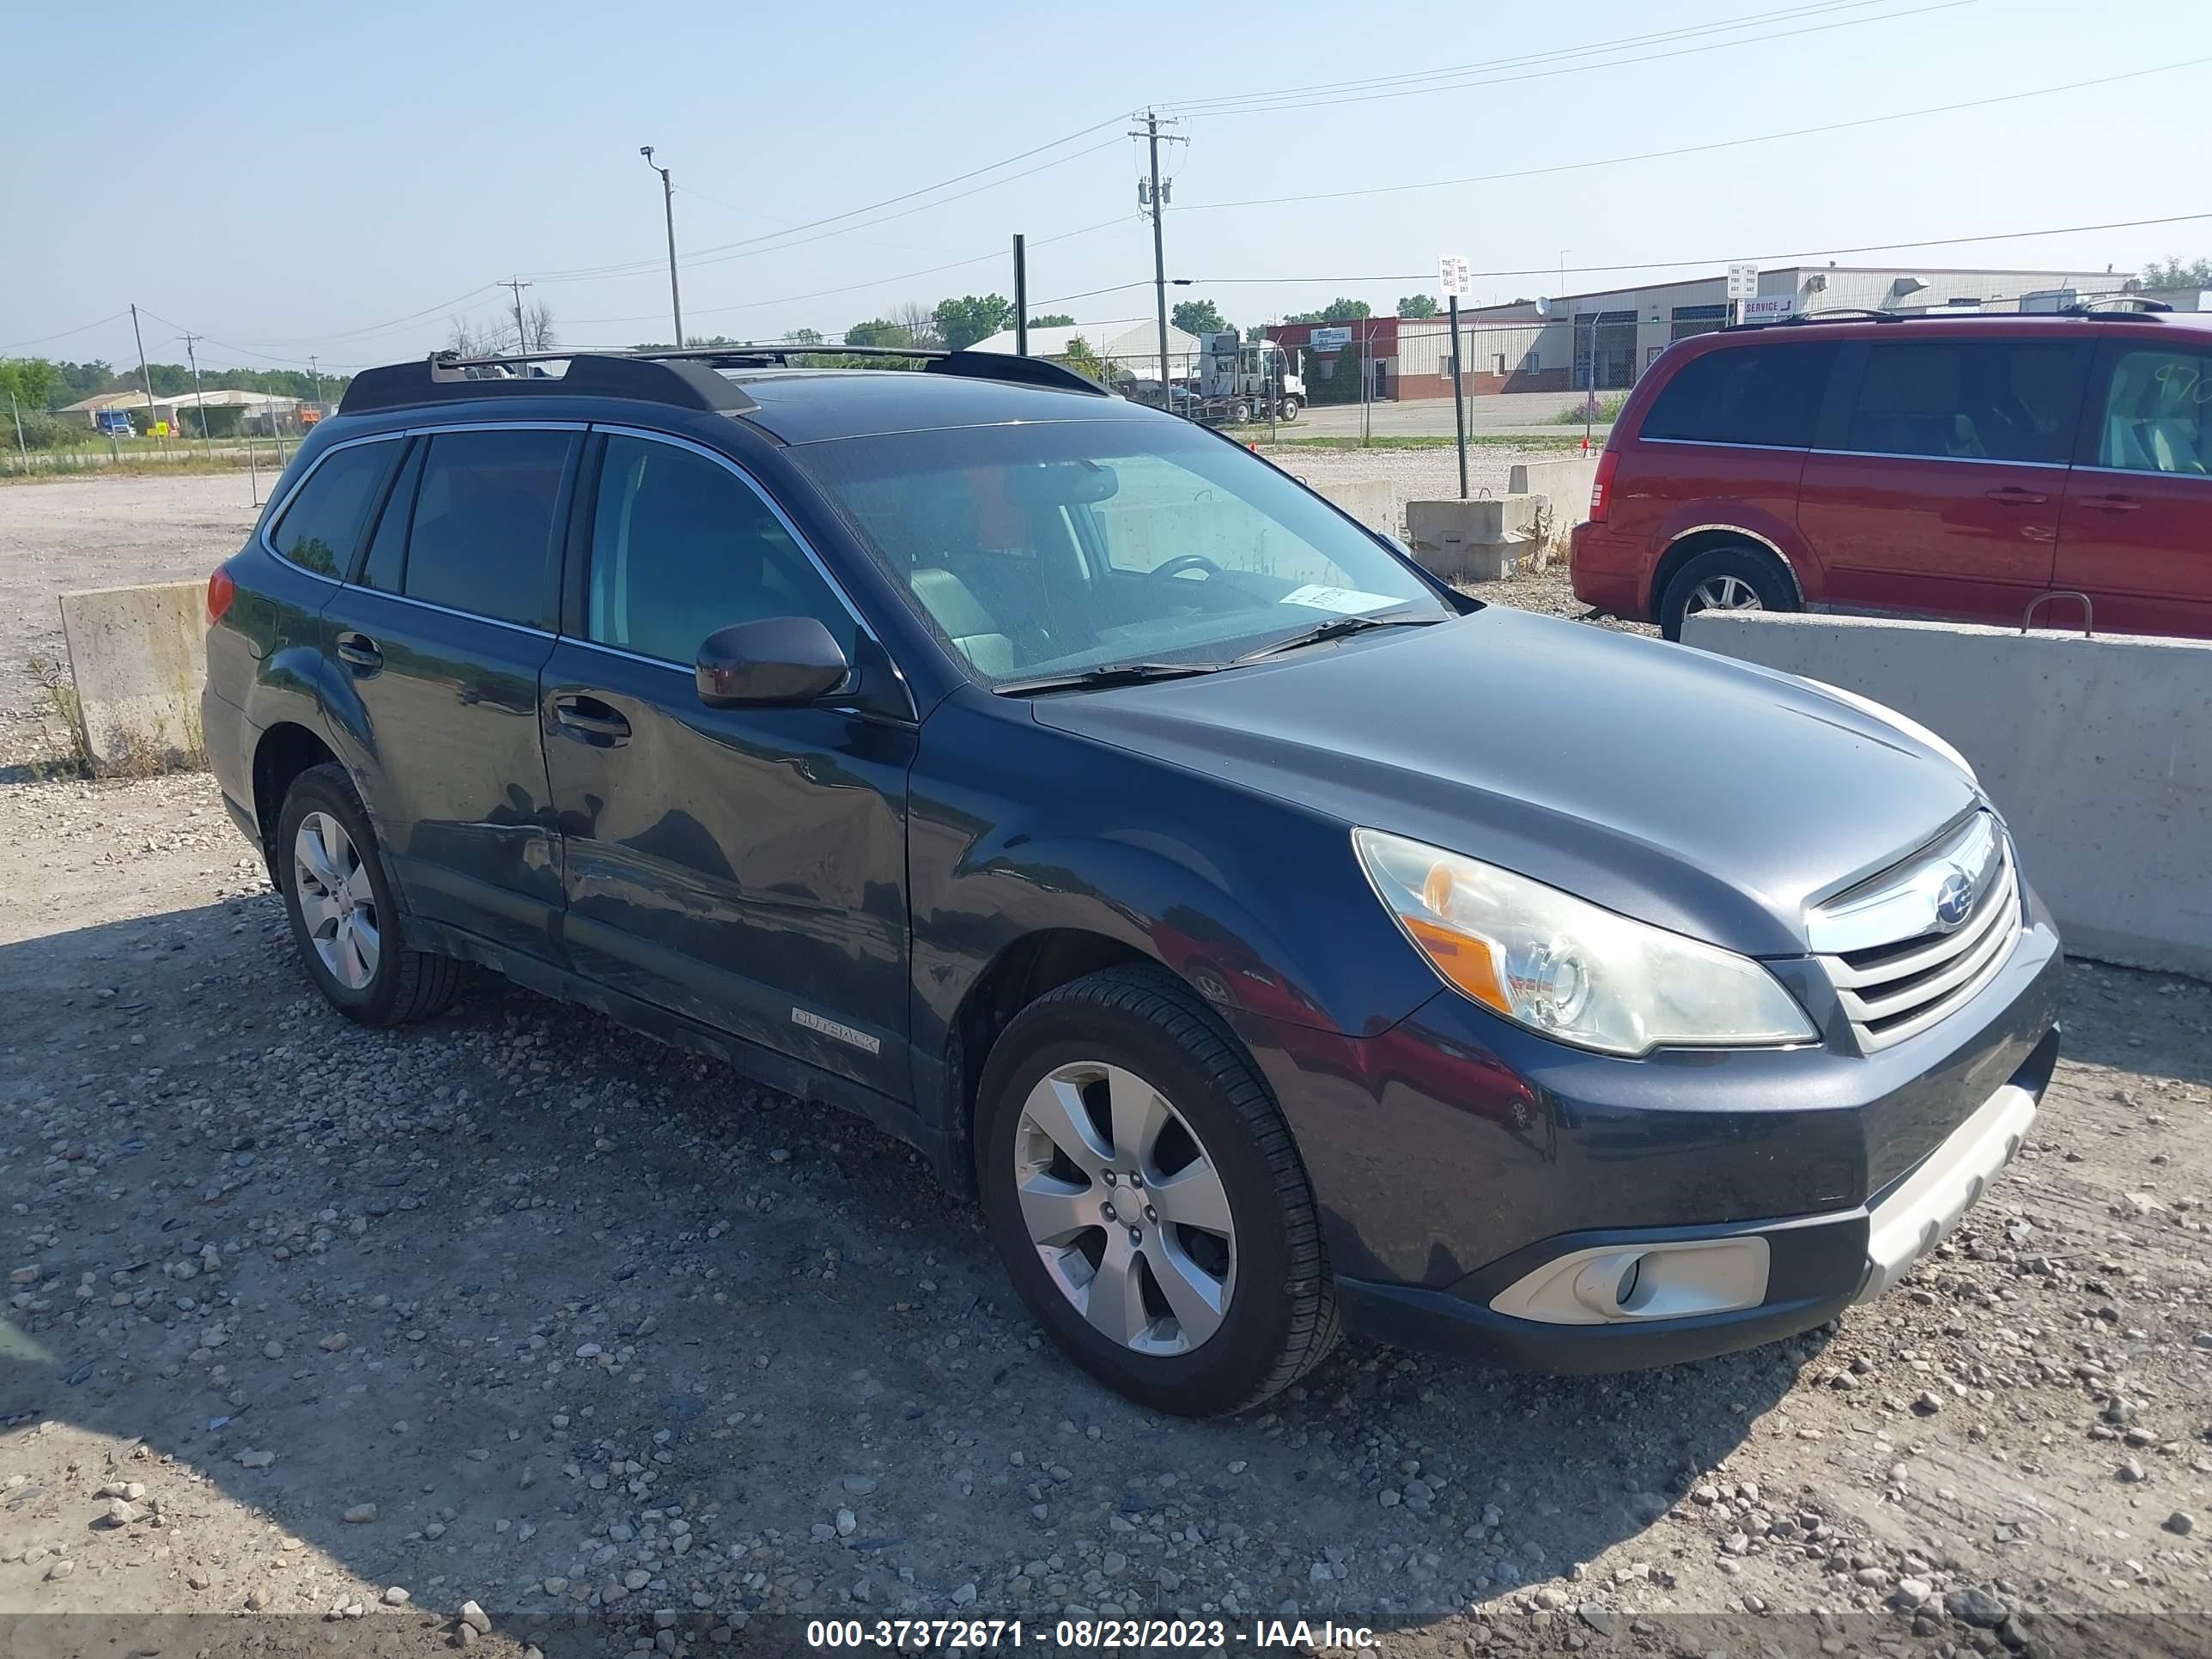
(1454, 1155)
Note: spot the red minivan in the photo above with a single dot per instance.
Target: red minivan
(1966, 467)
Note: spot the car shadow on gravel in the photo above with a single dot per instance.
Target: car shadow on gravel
(516, 1307)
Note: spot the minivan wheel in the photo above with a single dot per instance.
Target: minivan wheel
(351, 937)
(1737, 577)
(1141, 1186)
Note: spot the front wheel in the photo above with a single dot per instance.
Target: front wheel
(1291, 408)
(1141, 1186)
(1738, 576)
(1240, 413)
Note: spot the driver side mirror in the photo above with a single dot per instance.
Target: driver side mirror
(778, 659)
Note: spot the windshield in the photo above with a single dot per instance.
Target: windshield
(1044, 549)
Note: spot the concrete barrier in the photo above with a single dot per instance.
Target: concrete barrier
(2098, 751)
(138, 657)
(1566, 483)
(1483, 540)
(1373, 502)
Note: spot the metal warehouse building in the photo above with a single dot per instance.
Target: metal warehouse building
(1602, 341)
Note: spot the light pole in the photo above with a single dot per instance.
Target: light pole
(668, 206)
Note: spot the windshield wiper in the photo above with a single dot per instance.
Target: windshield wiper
(1106, 674)
(1335, 629)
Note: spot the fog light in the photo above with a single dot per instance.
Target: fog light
(1629, 1284)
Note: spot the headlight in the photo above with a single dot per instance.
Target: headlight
(1564, 968)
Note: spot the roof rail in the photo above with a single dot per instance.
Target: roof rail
(2108, 304)
(974, 365)
(686, 379)
(447, 378)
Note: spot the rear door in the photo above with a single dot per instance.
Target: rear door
(744, 867)
(441, 636)
(2137, 537)
(1939, 475)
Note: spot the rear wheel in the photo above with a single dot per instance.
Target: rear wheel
(1144, 1193)
(1737, 576)
(351, 937)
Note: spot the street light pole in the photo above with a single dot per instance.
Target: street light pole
(668, 206)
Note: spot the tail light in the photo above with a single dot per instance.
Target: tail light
(221, 592)
(1602, 490)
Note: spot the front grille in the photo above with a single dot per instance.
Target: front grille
(1895, 989)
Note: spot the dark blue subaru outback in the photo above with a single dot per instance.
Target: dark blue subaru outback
(1273, 938)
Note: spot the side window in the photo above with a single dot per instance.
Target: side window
(1767, 395)
(387, 548)
(482, 535)
(2157, 413)
(682, 546)
(321, 530)
(1996, 400)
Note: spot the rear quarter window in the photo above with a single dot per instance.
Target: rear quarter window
(321, 527)
(1766, 395)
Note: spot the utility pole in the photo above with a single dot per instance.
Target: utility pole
(668, 206)
(521, 340)
(1155, 199)
(21, 447)
(1459, 401)
(145, 373)
(200, 391)
(1021, 300)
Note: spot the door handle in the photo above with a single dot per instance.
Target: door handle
(2013, 495)
(589, 718)
(2111, 503)
(360, 650)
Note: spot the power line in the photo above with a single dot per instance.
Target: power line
(582, 273)
(1226, 102)
(1716, 260)
(1582, 69)
(1696, 149)
(82, 328)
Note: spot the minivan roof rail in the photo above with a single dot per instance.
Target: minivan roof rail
(2110, 308)
(685, 378)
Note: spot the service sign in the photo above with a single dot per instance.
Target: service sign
(1329, 339)
(1770, 307)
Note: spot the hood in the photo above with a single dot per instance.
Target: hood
(1700, 794)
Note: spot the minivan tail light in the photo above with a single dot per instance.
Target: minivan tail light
(1602, 490)
(221, 592)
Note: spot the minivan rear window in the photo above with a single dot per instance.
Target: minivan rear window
(1768, 395)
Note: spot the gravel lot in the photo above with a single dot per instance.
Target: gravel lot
(317, 1335)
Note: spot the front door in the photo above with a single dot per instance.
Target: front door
(2138, 532)
(1935, 487)
(441, 637)
(743, 868)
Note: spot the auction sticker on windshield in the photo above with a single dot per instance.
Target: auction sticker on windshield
(1347, 601)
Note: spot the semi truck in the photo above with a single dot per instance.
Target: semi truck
(1242, 382)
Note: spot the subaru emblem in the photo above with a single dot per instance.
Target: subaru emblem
(1953, 900)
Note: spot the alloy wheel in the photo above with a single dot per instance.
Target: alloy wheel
(1126, 1208)
(1723, 594)
(336, 901)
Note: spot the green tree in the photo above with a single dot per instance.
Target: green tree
(31, 381)
(964, 321)
(1199, 316)
(1336, 310)
(2173, 272)
(879, 331)
(1052, 319)
(1418, 305)
(1084, 360)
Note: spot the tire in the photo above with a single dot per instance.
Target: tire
(1737, 576)
(1291, 408)
(1272, 1313)
(400, 984)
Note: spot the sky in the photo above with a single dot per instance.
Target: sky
(344, 182)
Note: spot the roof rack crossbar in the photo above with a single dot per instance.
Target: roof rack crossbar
(445, 378)
(935, 360)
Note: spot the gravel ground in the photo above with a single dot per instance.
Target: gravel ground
(520, 1309)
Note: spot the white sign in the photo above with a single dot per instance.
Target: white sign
(1329, 339)
(1743, 281)
(1770, 307)
(1452, 277)
(1345, 601)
